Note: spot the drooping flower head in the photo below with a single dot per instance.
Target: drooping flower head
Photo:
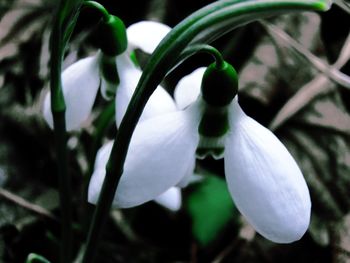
(114, 74)
(264, 180)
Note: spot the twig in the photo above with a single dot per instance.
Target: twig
(331, 72)
(27, 205)
(319, 85)
(343, 5)
(340, 240)
(227, 250)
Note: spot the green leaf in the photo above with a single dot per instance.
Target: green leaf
(211, 208)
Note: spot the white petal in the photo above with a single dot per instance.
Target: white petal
(159, 103)
(170, 199)
(80, 83)
(99, 173)
(189, 176)
(160, 152)
(188, 88)
(146, 35)
(265, 181)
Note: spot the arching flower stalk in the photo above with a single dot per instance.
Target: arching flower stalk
(265, 182)
(113, 74)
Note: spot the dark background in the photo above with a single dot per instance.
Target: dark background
(278, 87)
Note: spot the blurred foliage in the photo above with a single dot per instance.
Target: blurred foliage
(211, 208)
(317, 132)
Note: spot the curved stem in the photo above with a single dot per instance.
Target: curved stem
(98, 7)
(203, 48)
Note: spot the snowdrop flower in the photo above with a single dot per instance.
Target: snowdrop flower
(185, 94)
(81, 80)
(264, 181)
(171, 197)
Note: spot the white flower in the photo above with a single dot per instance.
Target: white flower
(157, 105)
(145, 35)
(81, 80)
(265, 182)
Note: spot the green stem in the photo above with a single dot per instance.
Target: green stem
(105, 120)
(58, 112)
(64, 185)
(58, 109)
(203, 48)
(98, 7)
(206, 24)
(62, 172)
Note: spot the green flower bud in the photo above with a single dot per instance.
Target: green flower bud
(113, 40)
(219, 84)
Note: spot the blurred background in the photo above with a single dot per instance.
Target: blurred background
(281, 87)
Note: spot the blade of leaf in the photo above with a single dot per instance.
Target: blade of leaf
(210, 207)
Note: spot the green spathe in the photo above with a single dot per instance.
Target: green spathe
(219, 84)
(113, 36)
(219, 87)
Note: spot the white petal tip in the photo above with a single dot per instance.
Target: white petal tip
(47, 110)
(292, 232)
(170, 199)
(188, 88)
(146, 35)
